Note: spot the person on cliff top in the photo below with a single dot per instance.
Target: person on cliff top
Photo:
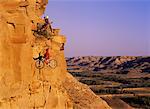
(46, 29)
(47, 24)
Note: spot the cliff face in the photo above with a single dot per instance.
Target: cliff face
(23, 86)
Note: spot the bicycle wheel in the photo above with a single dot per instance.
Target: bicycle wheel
(39, 64)
(52, 63)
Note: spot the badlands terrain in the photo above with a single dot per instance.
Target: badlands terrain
(123, 81)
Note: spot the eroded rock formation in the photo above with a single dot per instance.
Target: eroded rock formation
(23, 86)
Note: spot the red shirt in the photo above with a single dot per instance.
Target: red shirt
(46, 55)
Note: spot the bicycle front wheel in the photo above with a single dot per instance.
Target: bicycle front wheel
(52, 63)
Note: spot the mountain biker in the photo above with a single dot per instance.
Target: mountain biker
(46, 56)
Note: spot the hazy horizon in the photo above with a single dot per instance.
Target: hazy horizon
(98, 28)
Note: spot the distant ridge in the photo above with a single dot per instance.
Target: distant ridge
(99, 63)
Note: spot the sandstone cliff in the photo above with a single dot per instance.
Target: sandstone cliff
(23, 86)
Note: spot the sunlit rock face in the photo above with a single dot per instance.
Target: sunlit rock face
(23, 86)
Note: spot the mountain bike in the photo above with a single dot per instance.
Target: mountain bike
(40, 62)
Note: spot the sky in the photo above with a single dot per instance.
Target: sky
(102, 27)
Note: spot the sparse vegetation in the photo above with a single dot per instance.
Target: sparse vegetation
(101, 74)
(137, 101)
